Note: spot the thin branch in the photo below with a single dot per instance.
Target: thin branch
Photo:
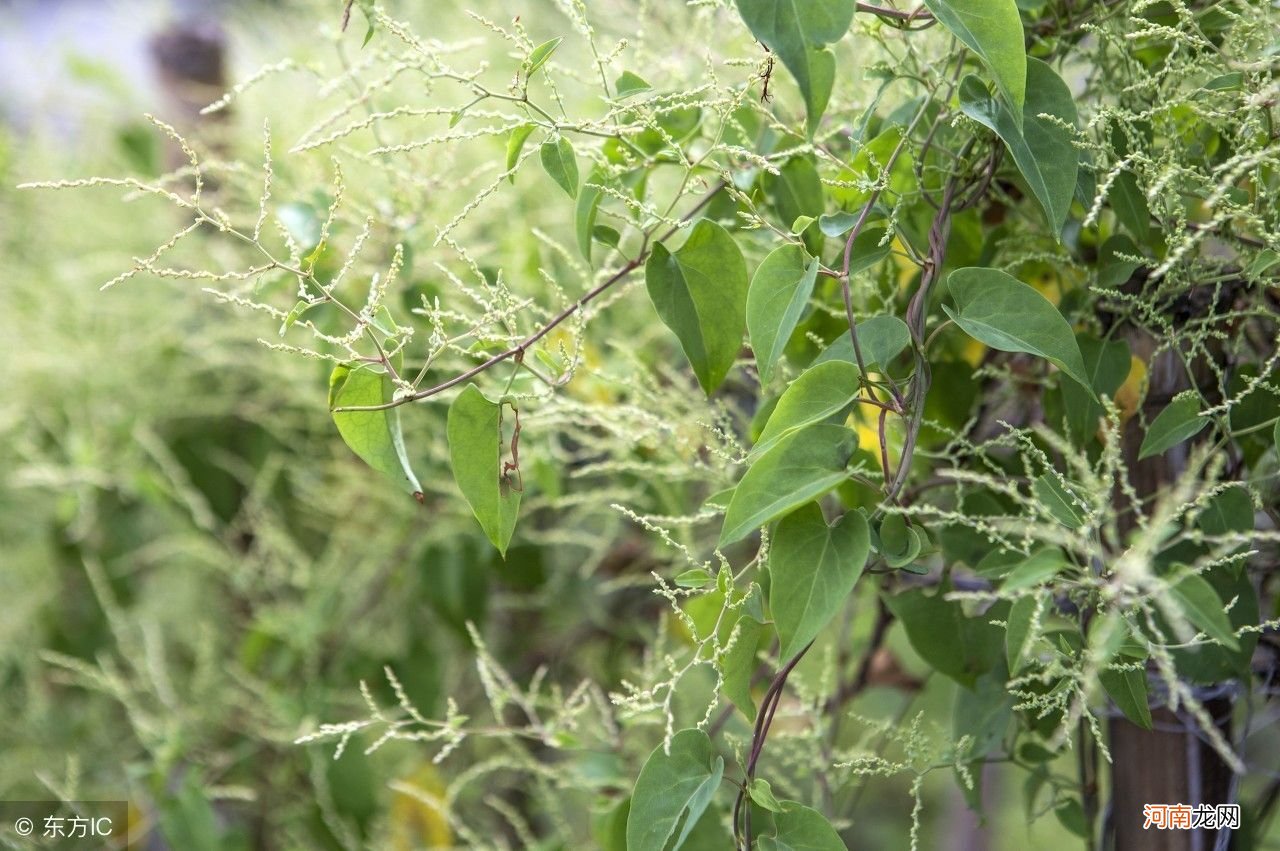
(520, 348)
(764, 720)
(919, 13)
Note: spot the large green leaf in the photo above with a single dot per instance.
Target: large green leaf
(1018, 631)
(1179, 421)
(672, 791)
(584, 214)
(993, 30)
(515, 144)
(700, 293)
(881, 338)
(560, 162)
(373, 435)
(1129, 691)
(983, 713)
(739, 664)
(1041, 147)
(997, 309)
(1058, 500)
(796, 30)
(821, 391)
(812, 569)
(799, 828)
(475, 452)
(956, 645)
(801, 466)
(778, 295)
(1202, 606)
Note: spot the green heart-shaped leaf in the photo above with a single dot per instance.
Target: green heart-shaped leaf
(993, 30)
(474, 431)
(997, 309)
(776, 299)
(799, 828)
(812, 570)
(700, 293)
(796, 30)
(881, 338)
(373, 435)
(1041, 147)
(673, 790)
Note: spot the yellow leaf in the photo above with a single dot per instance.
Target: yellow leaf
(417, 817)
(1130, 394)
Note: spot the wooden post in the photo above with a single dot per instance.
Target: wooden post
(1169, 764)
(190, 62)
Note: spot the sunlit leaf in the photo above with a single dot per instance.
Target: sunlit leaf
(629, 84)
(821, 391)
(515, 144)
(993, 30)
(881, 339)
(799, 828)
(762, 794)
(801, 466)
(584, 216)
(475, 452)
(540, 54)
(373, 435)
(738, 665)
(560, 162)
